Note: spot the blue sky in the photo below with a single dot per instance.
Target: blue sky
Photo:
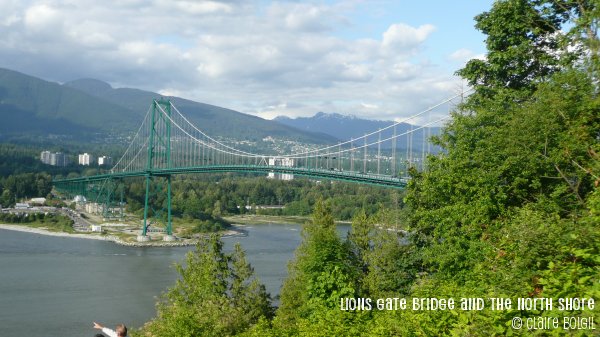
(453, 20)
(374, 59)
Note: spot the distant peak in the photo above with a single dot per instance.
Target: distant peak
(89, 85)
(321, 114)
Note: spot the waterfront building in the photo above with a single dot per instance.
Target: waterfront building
(22, 205)
(38, 201)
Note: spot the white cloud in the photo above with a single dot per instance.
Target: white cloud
(10, 20)
(404, 38)
(463, 55)
(404, 71)
(42, 18)
(197, 7)
(285, 58)
(300, 16)
(369, 106)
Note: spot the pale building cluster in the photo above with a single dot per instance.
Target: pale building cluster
(61, 159)
(54, 158)
(281, 161)
(104, 161)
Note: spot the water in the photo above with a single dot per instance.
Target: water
(53, 286)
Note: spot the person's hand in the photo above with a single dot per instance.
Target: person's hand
(98, 326)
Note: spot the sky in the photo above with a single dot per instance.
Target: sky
(375, 59)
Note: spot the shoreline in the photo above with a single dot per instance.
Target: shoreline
(112, 238)
(252, 219)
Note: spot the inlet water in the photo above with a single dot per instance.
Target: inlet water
(54, 286)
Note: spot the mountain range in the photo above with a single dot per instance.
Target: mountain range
(86, 108)
(347, 127)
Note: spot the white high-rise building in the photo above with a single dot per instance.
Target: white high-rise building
(104, 160)
(86, 159)
(45, 157)
(59, 159)
(54, 159)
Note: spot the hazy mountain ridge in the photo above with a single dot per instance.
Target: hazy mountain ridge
(84, 108)
(346, 127)
(28, 104)
(212, 119)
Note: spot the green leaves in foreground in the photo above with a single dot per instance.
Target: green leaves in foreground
(216, 295)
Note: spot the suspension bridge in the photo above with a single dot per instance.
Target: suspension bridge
(168, 144)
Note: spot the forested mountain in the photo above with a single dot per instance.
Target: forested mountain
(34, 106)
(212, 119)
(83, 109)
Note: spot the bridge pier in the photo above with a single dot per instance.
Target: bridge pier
(143, 238)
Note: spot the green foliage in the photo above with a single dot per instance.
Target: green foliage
(537, 152)
(524, 42)
(7, 198)
(217, 295)
(321, 273)
(210, 197)
(388, 265)
(209, 225)
(24, 185)
(52, 222)
(508, 210)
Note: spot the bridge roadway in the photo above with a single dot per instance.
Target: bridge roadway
(364, 178)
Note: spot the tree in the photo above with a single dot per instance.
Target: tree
(7, 199)
(217, 209)
(249, 297)
(43, 184)
(360, 237)
(321, 273)
(527, 133)
(504, 209)
(217, 295)
(524, 42)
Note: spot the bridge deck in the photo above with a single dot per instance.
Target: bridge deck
(365, 178)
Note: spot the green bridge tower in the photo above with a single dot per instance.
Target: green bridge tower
(159, 157)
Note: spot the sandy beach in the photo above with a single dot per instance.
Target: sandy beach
(112, 238)
(21, 228)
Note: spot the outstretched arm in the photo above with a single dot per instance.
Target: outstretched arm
(109, 332)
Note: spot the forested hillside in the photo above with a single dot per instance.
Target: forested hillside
(91, 111)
